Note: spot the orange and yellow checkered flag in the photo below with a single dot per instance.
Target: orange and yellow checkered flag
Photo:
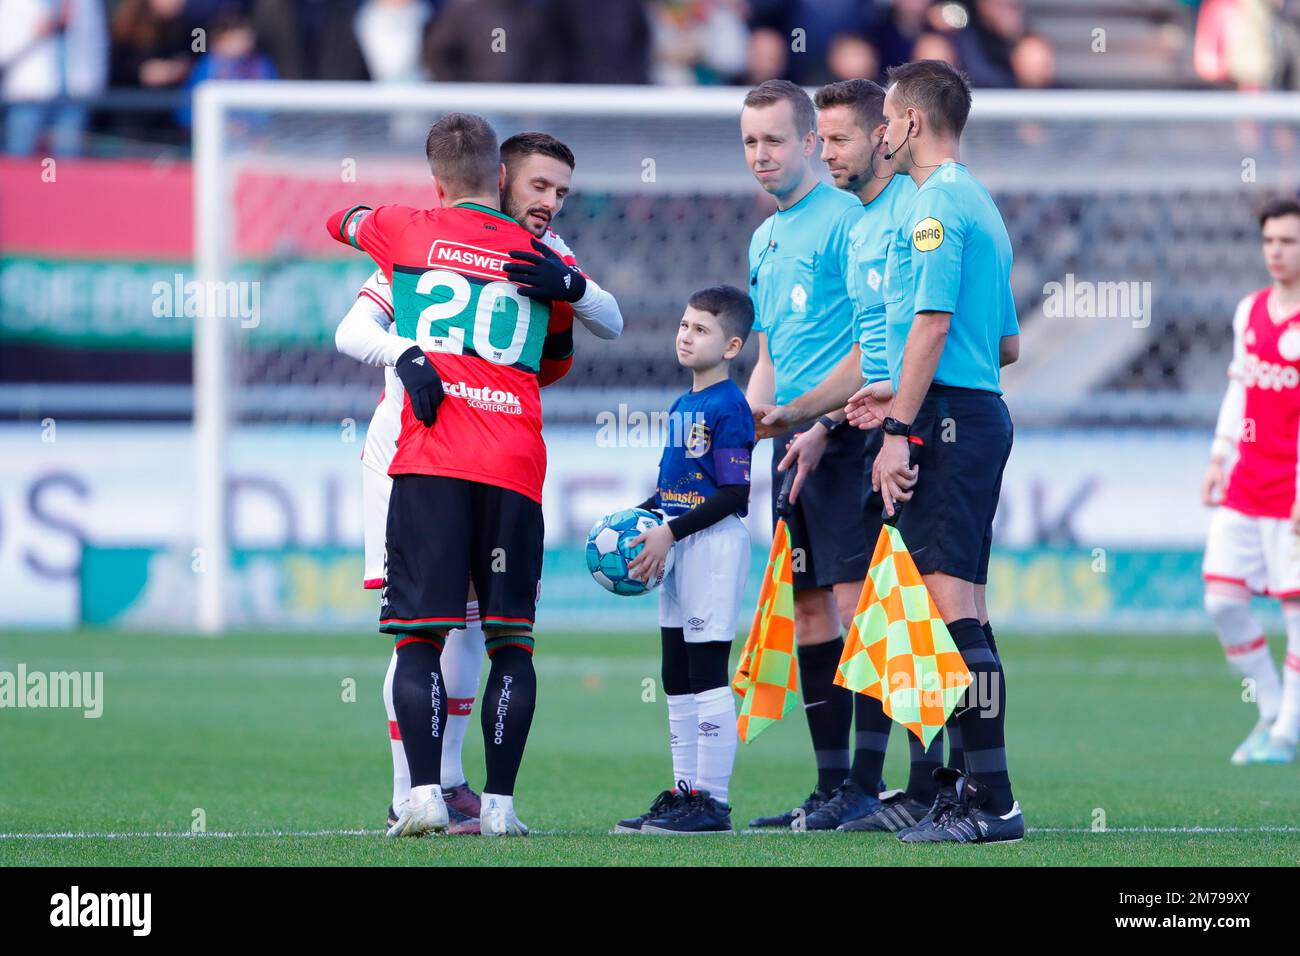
(899, 650)
(767, 677)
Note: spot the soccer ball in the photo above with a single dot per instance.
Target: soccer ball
(609, 554)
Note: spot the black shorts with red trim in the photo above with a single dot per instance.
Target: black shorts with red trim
(444, 533)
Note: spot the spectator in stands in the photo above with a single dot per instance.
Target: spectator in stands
(50, 51)
(852, 56)
(606, 42)
(769, 55)
(985, 45)
(935, 46)
(390, 33)
(1034, 62)
(152, 44)
(153, 48)
(697, 41)
(545, 41)
(1287, 72)
(232, 54)
(897, 32)
(1234, 43)
(458, 44)
(310, 39)
(791, 39)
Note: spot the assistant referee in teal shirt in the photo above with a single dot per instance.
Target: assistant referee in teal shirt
(807, 337)
(950, 324)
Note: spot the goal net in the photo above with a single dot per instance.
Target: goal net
(1131, 215)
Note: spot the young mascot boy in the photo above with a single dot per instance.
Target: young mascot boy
(703, 491)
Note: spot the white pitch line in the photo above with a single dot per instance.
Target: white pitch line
(1278, 829)
(162, 834)
(255, 834)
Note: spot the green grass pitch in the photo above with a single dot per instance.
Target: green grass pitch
(255, 731)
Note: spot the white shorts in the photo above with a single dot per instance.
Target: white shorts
(703, 591)
(1262, 554)
(376, 485)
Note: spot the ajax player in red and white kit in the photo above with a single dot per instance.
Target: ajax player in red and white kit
(539, 170)
(1254, 540)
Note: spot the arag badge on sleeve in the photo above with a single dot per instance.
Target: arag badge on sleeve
(927, 235)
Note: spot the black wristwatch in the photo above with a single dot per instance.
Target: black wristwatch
(829, 424)
(892, 426)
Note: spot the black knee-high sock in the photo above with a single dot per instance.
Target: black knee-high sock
(956, 751)
(829, 710)
(420, 703)
(1002, 684)
(508, 703)
(920, 778)
(987, 628)
(870, 738)
(981, 716)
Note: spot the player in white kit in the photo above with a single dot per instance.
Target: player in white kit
(538, 173)
(1253, 545)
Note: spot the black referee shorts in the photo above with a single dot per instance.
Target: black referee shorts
(948, 523)
(825, 527)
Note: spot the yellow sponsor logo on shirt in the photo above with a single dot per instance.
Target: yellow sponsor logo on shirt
(927, 234)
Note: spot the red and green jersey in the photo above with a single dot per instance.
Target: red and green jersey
(451, 295)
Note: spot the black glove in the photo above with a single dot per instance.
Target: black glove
(545, 276)
(422, 384)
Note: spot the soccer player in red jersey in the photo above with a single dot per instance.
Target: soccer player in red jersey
(539, 170)
(465, 506)
(1254, 538)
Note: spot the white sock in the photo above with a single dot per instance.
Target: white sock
(462, 660)
(1246, 648)
(716, 712)
(682, 734)
(1287, 725)
(401, 772)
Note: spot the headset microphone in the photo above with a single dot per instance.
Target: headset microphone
(892, 153)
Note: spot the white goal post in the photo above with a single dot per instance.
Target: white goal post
(1042, 143)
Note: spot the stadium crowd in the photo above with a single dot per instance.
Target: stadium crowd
(55, 55)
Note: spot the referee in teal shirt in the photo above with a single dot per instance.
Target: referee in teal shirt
(807, 338)
(950, 325)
